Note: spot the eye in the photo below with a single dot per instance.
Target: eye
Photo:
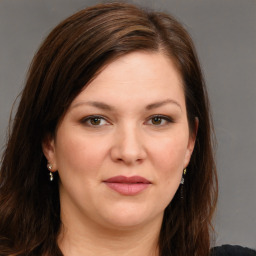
(159, 120)
(94, 121)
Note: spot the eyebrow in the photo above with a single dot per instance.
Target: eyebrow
(96, 104)
(105, 106)
(161, 103)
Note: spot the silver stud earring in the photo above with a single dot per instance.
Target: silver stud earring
(49, 166)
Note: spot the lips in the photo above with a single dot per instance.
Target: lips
(127, 185)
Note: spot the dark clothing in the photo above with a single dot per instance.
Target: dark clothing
(232, 250)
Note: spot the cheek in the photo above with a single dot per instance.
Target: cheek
(168, 158)
(79, 155)
(169, 155)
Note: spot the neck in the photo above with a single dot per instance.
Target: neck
(92, 240)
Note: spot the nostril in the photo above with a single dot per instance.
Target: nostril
(128, 151)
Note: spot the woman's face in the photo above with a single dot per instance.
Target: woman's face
(121, 148)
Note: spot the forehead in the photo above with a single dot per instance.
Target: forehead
(136, 76)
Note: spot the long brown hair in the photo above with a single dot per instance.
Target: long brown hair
(69, 58)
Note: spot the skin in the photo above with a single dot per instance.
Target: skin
(125, 140)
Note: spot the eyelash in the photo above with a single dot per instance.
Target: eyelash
(162, 117)
(88, 119)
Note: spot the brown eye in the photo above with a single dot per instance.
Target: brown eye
(95, 121)
(159, 120)
(156, 120)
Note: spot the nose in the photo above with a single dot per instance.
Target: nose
(128, 146)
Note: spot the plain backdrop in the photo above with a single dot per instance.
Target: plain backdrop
(224, 32)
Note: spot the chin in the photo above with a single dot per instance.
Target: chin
(130, 218)
(124, 223)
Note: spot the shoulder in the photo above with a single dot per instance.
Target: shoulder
(232, 250)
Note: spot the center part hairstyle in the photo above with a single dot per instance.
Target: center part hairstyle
(71, 56)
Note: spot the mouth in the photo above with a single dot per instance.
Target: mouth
(128, 185)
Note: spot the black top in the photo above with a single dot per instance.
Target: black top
(232, 250)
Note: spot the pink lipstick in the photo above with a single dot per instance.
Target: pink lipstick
(127, 185)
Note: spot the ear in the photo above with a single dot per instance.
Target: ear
(48, 147)
(191, 142)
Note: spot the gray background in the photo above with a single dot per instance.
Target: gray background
(224, 32)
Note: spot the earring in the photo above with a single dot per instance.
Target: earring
(182, 178)
(51, 176)
(49, 166)
(182, 184)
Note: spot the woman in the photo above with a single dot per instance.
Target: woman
(111, 149)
